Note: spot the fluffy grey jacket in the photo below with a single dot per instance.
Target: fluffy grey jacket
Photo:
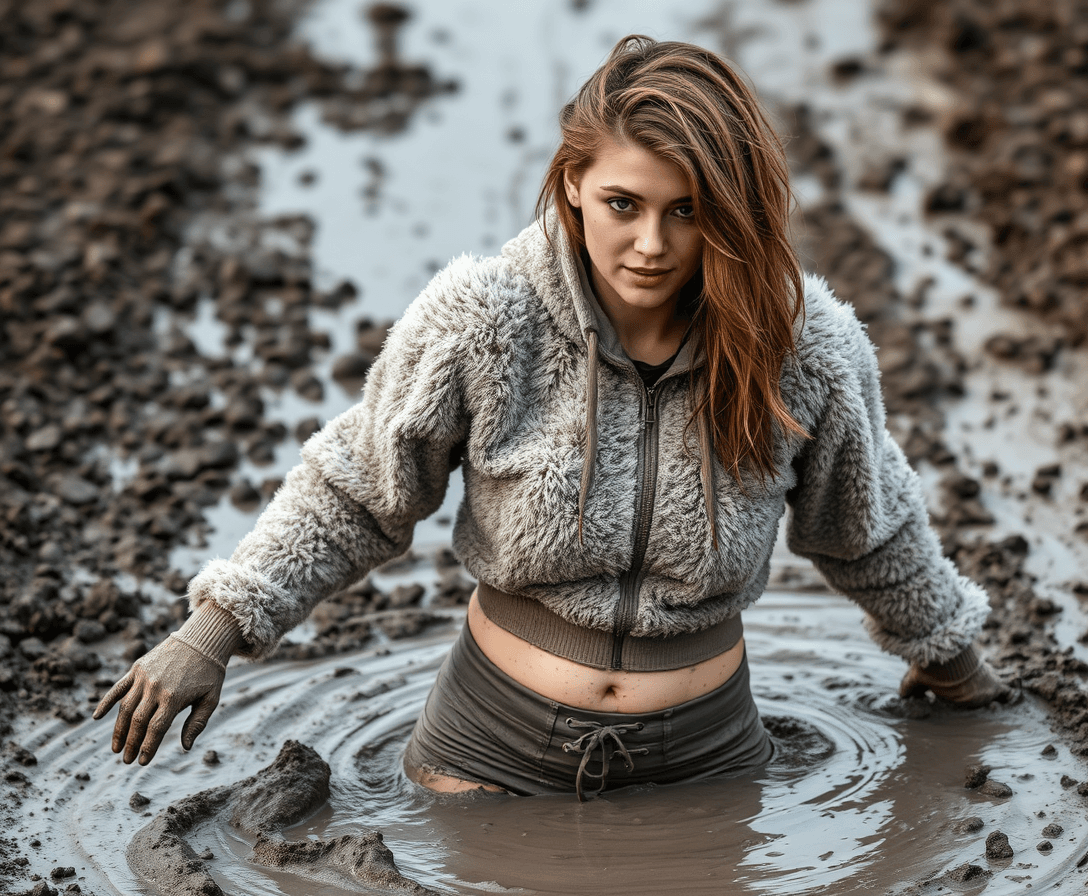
(507, 366)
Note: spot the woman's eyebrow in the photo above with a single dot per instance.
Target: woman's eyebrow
(616, 188)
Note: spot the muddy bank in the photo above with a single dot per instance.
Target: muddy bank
(123, 128)
(981, 53)
(1019, 136)
(1016, 136)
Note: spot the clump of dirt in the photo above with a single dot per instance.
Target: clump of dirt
(344, 861)
(997, 846)
(288, 791)
(285, 793)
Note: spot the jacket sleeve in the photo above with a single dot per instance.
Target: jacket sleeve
(858, 512)
(364, 480)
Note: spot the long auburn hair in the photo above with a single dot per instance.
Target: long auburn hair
(686, 105)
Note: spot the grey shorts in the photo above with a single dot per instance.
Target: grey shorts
(481, 725)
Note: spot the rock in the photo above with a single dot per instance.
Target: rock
(89, 631)
(1044, 846)
(970, 825)
(76, 490)
(245, 496)
(995, 790)
(138, 801)
(61, 872)
(997, 846)
(352, 368)
(45, 439)
(33, 649)
(975, 776)
(306, 428)
(307, 385)
(99, 318)
(968, 872)
(20, 754)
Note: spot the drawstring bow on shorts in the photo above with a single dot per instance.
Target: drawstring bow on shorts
(603, 737)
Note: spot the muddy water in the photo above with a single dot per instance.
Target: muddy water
(867, 792)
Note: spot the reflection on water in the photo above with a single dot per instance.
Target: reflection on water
(864, 794)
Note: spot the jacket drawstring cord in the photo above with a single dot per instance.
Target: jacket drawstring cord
(706, 474)
(589, 461)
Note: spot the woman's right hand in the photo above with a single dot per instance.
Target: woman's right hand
(187, 669)
(159, 685)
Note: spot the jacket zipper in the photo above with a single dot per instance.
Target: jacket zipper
(631, 581)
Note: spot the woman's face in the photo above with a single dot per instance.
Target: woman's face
(641, 235)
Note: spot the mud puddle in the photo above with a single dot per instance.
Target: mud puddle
(868, 794)
(867, 791)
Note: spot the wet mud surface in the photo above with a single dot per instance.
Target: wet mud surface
(178, 315)
(856, 768)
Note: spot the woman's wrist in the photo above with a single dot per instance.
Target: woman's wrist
(213, 632)
(955, 670)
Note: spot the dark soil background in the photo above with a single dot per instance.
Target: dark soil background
(122, 123)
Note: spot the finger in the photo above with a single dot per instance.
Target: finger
(198, 719)
(156, 731)
(113, 695)
(138, 728)
(124, 715)
(911, 686)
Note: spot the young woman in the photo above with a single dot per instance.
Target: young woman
(637, 387)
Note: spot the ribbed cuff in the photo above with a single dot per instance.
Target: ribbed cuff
(958, 669)
(213, 632)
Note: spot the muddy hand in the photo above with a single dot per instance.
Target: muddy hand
(966, 680)
(187, 669)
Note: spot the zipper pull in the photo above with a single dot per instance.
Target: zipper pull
(651, 407)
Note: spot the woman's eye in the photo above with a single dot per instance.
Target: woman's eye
(620, 204)
(685, 211)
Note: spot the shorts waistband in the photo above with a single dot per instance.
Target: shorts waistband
(531, 621)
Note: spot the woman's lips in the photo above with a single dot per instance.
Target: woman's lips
(649, 272)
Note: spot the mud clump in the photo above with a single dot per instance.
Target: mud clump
(976, 776)
(968, 873)
(997, 846)
(345, 860)
(289, 790)
(971, 825)
(285, 793)
(995, 790)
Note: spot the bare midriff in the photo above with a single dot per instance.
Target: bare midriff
(600, 690)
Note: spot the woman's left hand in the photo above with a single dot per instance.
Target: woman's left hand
(980, 687)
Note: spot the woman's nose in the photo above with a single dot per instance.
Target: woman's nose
(651, 239)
